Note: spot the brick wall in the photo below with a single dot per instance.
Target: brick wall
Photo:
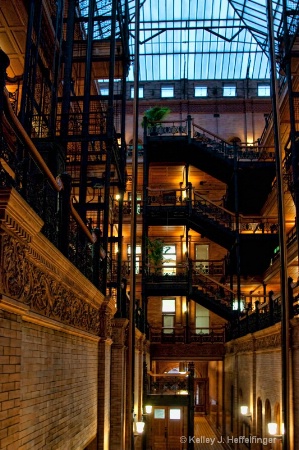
(55, 405)
(10, 370)
(252, 374)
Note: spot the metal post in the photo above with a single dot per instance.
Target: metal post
(237, 243)
(285, 336)
(131, 335)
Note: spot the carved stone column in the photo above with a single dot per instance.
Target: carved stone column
(107, 311)
(118, 384)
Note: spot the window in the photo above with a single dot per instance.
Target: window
(168, 315)
(168, 305)
(138, 199)
(200, 91)
(202, 257)
(140, 92)
(174, 414)
(169, 259)
(229, 90)
(167, 90)
(104, 91)
(263, 90)
(138, 258)
(159, 413)
(202, 319)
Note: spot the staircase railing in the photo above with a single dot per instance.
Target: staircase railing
(247, 224)
(216, 290)
(23, 168)
(242, 151)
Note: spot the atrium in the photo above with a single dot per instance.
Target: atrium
(149, 220)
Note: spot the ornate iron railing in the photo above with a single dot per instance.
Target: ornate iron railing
(23, 168)
(229, 150)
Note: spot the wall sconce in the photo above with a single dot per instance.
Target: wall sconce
(272, 429)
(148, 409)
(140, 427)
(245, 412)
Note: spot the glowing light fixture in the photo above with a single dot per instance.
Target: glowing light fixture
(148, 409)
(244, 410)
(139, 427)
(272, 428)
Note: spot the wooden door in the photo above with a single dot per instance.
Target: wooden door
(175, 426)
(159, 428)
(167, 428)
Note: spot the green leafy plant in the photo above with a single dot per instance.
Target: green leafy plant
(155, 253)
(155, 114)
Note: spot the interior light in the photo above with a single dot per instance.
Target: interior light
(272, 428)
(139, 427)
(244, 410)
(148, 409)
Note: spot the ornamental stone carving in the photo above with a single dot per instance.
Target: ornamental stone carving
(107, 312)
(253, 343)
(119, 331)
(267, 342)
(26, 282)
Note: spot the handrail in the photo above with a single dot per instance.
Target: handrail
(92, 237)
(213, 204)
(33, 150)
(56, 183)
(212, 134)
(212, 280)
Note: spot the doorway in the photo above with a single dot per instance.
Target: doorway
(168, 425)
(201, 395)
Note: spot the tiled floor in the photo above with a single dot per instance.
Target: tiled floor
(204, 436)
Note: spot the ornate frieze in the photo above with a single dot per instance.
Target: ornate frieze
(267, 342)
(26, 282)
(253, 343)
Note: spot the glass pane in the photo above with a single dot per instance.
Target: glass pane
(201, 91)
(174, 414)
(167, 91)
(168, 305)
(229, 91)
(159, 413)
(263, 90)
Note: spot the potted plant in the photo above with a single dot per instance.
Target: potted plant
(154, 115)
(155, 254)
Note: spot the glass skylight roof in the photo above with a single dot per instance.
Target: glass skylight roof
(205, 39)
(195, 39)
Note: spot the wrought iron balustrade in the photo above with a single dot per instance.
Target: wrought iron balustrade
(169, 385)
(184, 335)
(23, 168)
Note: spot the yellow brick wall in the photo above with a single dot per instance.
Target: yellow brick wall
(48, 387)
